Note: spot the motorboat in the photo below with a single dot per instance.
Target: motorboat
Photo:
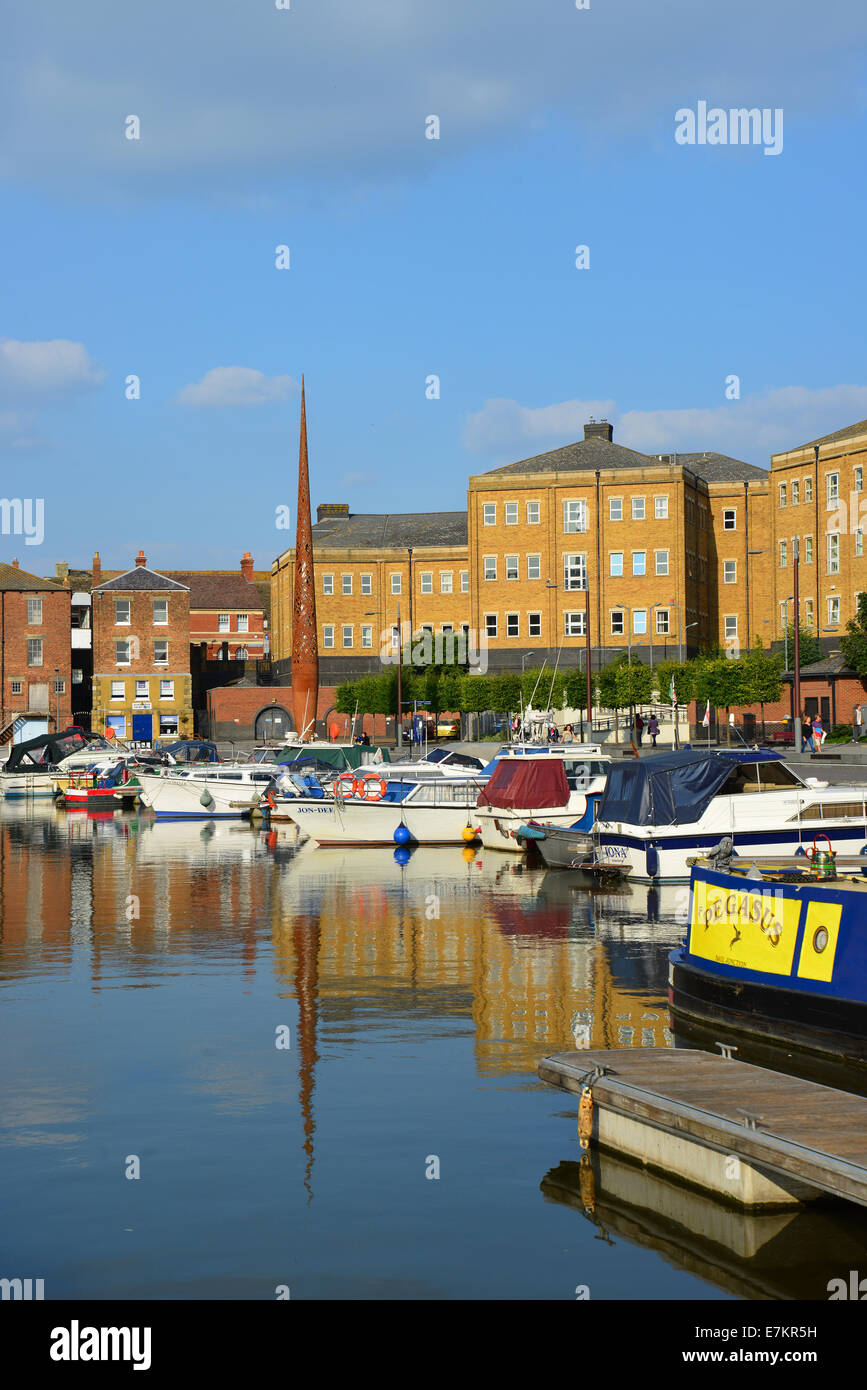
(557, 786)
(659, 811)
(385, 810)
(205, 791)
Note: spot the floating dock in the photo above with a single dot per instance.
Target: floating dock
(752, 1136)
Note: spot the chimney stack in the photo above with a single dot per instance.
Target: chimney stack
(141, 558)
(332, 509)
(599, 429)
(61, 572)
(247, 566)
(97, 570)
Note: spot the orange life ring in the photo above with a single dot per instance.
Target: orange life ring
(345, 785)
(372, 787)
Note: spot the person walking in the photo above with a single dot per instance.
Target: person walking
(807, 733)
(857, 724)
(818, 734)
(653, 728)
(568, 734)
(639, 729)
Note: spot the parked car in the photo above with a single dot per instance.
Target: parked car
(448, 728)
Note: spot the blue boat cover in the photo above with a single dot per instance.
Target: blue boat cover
(672, 788)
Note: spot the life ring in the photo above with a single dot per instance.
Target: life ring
(269, 797)
(372, 787)
(345, 785)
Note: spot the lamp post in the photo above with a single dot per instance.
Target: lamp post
(786, 602)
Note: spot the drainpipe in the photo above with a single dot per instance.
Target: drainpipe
(598, 581)
(747, 554)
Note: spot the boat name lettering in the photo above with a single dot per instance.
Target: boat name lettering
(740, 905)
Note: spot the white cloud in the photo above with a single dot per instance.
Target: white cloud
(237, 386)
(752, 428)
(46, 368)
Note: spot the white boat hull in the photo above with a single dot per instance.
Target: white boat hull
(375, 822)
(180, 796)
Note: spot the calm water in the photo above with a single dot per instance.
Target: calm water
(146, 972)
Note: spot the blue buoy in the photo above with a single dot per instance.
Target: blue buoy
(402, 855)
(402, 835)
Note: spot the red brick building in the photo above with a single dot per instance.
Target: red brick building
(35, 654)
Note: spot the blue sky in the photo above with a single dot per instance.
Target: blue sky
(409, 256)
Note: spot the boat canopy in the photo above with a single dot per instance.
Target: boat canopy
(192, 750)
(320, 759)
(527, 785)
(44, 750)
(672, 788)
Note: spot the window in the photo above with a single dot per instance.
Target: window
(59, 687)
(426, 581)
(808, 489)
(575, 571)
(223, 623)
(731, 624)
(490, 624)
(534, 624)
(395, 583)
(639, 561)
(532, 513)
(142, 690)
(639, 621)
(573, 624)
(808, 550)
(615, 562)
(241, 653)
(161, 612)
(784, 554)
(121, 653)
(660, 508)
(512, 625)
(489, 514)
(617, 627)
(808, 612)
(574, 516)
(445, 581)
(447, 629)
(366, 635)
(858, 477)
(168, 725)
(161, 653)
(346, 635)
(15, 687)
(832, 488)
(730, 519)
(534, 566)
(511, 509)
(121, 611)
(833, 553)
(346, 583)
(833, 610)
(511, 567)
(615, 509)
(34, 612)
(859, 542)
(328, 583)
(117, 690)
(638, 509)
(328, 635)
(243, 622)
(730, 571)
(367, 583)
(465, 581)
(167, 690)
(661, 561)
(796, 492)
(782, 494)
(662, 623)
(490, 564)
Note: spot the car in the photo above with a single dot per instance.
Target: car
(448, 728)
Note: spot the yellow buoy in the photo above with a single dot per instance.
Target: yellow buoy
(468, 833)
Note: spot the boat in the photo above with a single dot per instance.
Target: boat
(205, 791)
(28, 770)
(659, 811)
(557, 786)
(95, 788)
(375, 809)
(777, 950)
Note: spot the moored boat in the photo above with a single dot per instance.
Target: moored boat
(557, 787)
(778, 953)
(431, 811)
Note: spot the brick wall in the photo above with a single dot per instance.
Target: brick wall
(54, 632)
(233, 711)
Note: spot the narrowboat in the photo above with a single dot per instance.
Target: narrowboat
(777, 950)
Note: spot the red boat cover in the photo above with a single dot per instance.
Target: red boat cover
(532, 785)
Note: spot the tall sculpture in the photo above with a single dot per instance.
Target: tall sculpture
(305, 644)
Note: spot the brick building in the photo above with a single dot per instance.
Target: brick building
(35, 654)
(141, 656)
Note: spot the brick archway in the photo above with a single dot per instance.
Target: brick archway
(272, 723)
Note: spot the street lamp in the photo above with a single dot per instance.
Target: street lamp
(786, 603)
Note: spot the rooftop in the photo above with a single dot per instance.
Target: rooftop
(11, 577)
(138, 579)
(598, 450)
(390, 530)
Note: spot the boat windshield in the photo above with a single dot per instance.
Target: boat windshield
(758, 777)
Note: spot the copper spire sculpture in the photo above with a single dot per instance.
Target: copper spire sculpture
(305, 644)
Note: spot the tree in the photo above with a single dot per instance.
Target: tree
(761, 677)
(723, 682)
(634, 683)
(810, 650)
(854, 644)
